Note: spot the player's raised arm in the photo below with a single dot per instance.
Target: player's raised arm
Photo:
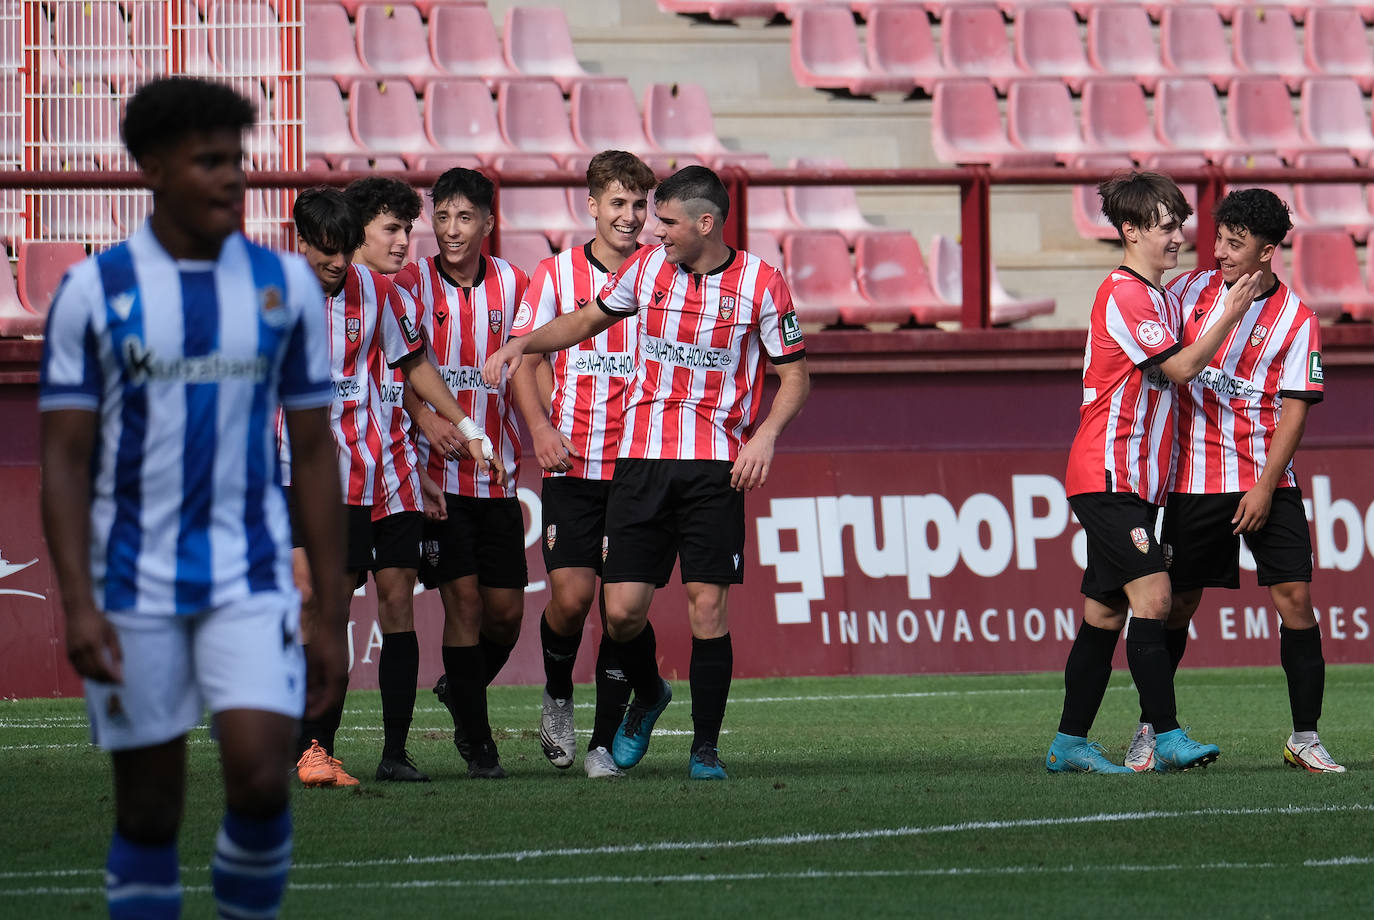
(1186, 363)
(562, 332)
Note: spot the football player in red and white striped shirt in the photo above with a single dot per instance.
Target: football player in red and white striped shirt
(576, 435)
(693, 444)
(1239, 424)
(467, 302)
(387, 209)
(1118, 470)
(368, 322)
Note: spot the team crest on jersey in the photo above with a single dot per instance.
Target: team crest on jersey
(1141, 539)
(605, 547)
(494, 321)
(1150, 333)
(522, 316)
(270, 302)
(1258, 334)
(551, 536)
(122, 304)
(727, 306)
(352, 327)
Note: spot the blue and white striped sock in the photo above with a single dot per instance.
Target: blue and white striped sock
(142, 881)
(249, 870)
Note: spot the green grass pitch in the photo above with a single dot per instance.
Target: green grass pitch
(849, 797)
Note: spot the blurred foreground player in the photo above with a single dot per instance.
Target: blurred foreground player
(1239, 424)
(165, 361)
(1118, 471)
(692, 445)
(576, 435)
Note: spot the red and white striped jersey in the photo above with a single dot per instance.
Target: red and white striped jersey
(590, 379)
(398, 477)
(699, 379)
(464, 326)
(1125, 433)
(1227, 414)
(369, 324)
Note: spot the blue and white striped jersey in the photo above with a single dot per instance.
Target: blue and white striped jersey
(186, 364)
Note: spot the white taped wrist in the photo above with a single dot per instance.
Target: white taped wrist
(487, 450)
(469, 430)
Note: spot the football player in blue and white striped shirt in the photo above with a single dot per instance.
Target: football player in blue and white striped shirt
(165, 361)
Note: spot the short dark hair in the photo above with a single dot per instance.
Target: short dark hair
(379, 195)
(327, 220)
(695, 184)
(1257, 211)
(165, 110)
(1134, 197)
(618, 166)
(468, 183)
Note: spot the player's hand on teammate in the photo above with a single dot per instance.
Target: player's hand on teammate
(1253, 511)
(326, 671)
(553, 449)
(503, 363)
(432, 497)
(751, 466)
(93, 646)
(442, 435)
(487, 459)
(1243, 293)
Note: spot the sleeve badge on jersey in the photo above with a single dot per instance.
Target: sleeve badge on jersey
(352, 327)
(727, 306)
(494, 321)
(522, 316)
(409, 331)
(791, 329)
(1141, 539)
(609, 287)
(1314, 367)
(1258, 334)
(1149, 333)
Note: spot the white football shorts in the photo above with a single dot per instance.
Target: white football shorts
(244, 655)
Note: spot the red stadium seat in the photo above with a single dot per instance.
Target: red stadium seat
(900, 44)
(243, 37)
(1337, 44)
(534, 118)
(1087, 204)
(820, 275)
(723, 9)
(1341, 205)
(1326, 274)
(677, 117)
(1188, 116)
(537, 43)
(1047, 43)
(827, 207)
(974, 44)
(81, 126)
(1242, 161)
(947, 275)
(1260, 115)
(326, 121)
(767, 204)
(392, 42)
(15, 318)
(1115, 118)
(826, 53)
(536, 209)
(605, 116)
(460, 117)
(73, 217)
(764, 245)
(440, 162)
(41, 267)
(1266, 43)
(463, 42)
(893, 275)
(1041, 119)
(385, 118)
(1333, 115)
(331, 49)
(524, 250)
(92, 42)
(364, 163)
(966, 127)
(430, 8)
(422, 241)
(1121, 43)
(1192, 42)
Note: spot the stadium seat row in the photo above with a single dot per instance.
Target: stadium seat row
(1113, 117)
(901, 52)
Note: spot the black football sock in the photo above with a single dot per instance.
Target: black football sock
(309, 728)
(322, 729)
(1086, 673)
(560, 654)
(1148, 657)
(398, 671)
(612, 694)
(1176, 641)
(467, 691)
(494, 658)
(713, 660)
(639, 660)
(1300, 652)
